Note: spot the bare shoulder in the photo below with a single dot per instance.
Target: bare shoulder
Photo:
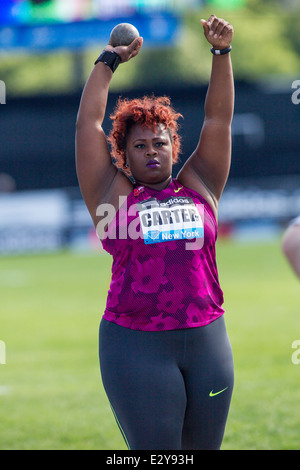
(191, 180)
(120, 187)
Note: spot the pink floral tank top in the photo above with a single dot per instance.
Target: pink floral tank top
(164, 273)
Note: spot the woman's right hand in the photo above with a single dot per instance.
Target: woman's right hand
(127, 52)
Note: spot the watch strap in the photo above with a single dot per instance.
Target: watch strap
(109, 58)
(220, 51)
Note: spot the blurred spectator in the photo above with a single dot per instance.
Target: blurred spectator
(291, 245)
(7, 183)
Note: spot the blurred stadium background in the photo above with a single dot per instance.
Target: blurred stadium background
(47, 50)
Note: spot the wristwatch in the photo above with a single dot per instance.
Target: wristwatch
(220, 51)
(109, 58)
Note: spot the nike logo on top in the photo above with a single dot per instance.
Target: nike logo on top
(176, 190)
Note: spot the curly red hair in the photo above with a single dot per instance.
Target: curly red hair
(148, 112)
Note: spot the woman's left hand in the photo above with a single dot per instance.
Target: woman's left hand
(218, 32)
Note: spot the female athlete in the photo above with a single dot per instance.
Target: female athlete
(165, 357)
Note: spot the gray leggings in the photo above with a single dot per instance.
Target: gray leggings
(169, 390)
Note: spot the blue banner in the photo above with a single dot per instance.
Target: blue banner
(157, 30)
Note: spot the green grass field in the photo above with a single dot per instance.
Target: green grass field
(51, 395)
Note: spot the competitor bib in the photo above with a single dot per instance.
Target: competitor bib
(174, 218)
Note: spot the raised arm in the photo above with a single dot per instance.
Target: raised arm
(97, 175)
(207, 169)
